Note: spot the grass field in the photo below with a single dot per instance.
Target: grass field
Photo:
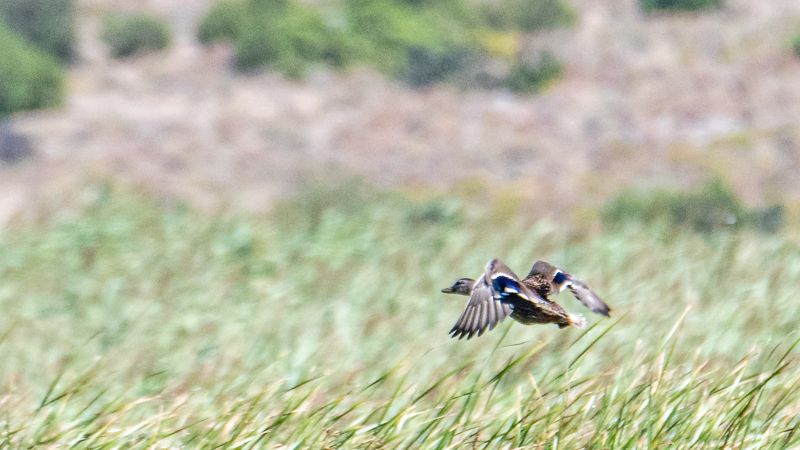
(132, 324)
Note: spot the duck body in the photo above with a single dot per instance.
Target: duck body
(527, 313)
(499, 293)
(539, 284)
(546, 279)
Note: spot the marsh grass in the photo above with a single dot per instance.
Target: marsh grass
(133, 325)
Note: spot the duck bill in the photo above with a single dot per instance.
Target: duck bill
(448, 290)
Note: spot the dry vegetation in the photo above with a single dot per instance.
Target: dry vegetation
(658, 100)
(132, 317)
(132, 326)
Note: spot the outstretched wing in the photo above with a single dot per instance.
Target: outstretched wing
(483, 311)
(586, 295)
(507, 287)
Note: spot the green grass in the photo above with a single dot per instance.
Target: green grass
(131, 324)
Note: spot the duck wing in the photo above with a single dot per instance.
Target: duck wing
(483, 311)
(507, 287)
(585, 295)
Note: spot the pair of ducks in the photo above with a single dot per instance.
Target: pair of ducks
(499, 293)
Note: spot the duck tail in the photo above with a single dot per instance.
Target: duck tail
(577, 320)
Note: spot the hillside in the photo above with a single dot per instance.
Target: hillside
(656, 100)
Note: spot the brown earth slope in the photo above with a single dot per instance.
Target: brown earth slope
(662, 100)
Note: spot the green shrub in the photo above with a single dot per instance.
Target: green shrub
(286, 35)
(257, 42)
(305, 36)
(419, 41)
(406, 41)
(29, 78)
(427, 66)
(796, 44)
(49, 24)
(527, 15)
(402, 38)
(533, 77)
(223, 22)
(690, 5)
(715, 208)
(130, 33)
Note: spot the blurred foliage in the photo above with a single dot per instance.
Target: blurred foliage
(49, 24)
(284, 34)
(291, 40)
(129, 33)
(223, 21)
(534, 77)
(29, 78)
(393, 35)
(421, 42)
(426, 66)
(691, 5)
(795, 43)
(132, 324)
(504, 44)
(714, 208)
(528, 15)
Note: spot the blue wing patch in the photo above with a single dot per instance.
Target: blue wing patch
(505, 286)
(560, 278)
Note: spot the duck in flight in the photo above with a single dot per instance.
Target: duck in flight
(499, 293)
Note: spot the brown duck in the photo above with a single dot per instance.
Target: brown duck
(499, 293)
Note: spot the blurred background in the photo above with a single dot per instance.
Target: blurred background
(558, 104)
(204, 203)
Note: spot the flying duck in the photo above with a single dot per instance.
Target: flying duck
(499, 293)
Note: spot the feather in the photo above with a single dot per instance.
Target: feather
(499, 293)
(587, 296)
